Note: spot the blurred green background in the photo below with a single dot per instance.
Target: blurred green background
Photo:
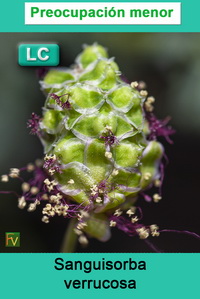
(170, 65)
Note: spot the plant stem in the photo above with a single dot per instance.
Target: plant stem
(70, 238)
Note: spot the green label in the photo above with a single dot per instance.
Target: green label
(100, 275)
(12, 239)
(38, 55)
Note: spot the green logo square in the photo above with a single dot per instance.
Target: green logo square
(12, 239)
(38, 54)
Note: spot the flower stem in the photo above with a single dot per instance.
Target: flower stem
(70, 238)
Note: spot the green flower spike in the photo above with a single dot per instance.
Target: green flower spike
(94, 124)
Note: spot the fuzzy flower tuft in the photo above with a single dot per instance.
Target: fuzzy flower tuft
(109, 138)
(52, 165)
(33, 124)
(159, 127)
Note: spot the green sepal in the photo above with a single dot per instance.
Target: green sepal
(115, 200)
(70, 150)
(91, 54)
(96, 161)
(79, 174)
(127, 154)
(122, 98)
(98, 227)
(149, 162)
(127, 181)
(57, 77)
(51, 120)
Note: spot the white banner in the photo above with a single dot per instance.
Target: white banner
(102, 13)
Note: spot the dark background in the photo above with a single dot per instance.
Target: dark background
(170, 65)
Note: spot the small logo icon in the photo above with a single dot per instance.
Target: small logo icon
(12, 239)
(38, 54)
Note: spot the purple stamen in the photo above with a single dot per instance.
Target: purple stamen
(126, 225)
(9, 192)
(33, 123)
(53, 165)
(109, 138)
(159, 127)
(152, 246)
(185, 232)
(65, 105)
(42, 71)
(103, 185)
